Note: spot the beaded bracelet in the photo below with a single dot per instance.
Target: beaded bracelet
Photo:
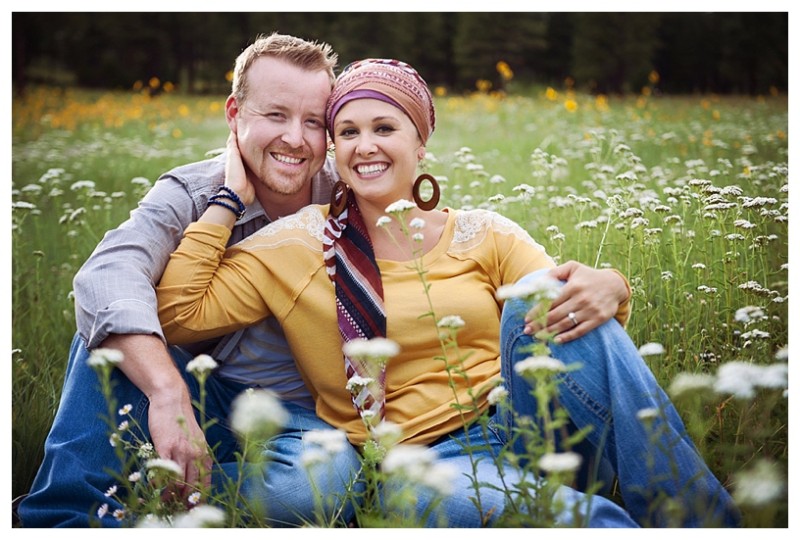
(225, 192)
(231, 195)
(238, 213)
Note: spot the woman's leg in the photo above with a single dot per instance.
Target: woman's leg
(480, 493)
(612, 385)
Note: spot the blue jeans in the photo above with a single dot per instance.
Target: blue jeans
(606, 394)
(461, 509)
(72, 480)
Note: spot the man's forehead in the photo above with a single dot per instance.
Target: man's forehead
(277, 81)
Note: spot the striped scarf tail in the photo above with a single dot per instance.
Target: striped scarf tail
(350, 263)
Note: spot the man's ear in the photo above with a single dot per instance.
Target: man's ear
(231, 112)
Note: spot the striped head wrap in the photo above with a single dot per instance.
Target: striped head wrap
(391, 81)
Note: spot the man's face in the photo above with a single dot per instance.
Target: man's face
(281, 125)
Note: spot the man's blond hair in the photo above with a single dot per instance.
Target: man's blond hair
(307, 55)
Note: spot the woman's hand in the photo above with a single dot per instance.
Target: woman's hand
(235, 175)
(589, 298)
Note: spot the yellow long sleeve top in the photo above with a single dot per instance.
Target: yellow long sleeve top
(279, 271)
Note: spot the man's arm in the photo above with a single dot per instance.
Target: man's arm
(116, 308)
(173, 428)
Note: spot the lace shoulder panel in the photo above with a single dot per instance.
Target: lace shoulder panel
(472, 226)
(304, 228)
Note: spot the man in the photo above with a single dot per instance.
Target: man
(276, 111)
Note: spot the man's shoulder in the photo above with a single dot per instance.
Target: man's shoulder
(198, 174)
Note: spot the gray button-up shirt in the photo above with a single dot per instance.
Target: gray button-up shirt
(115, 288)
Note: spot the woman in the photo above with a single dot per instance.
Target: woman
(380, 115)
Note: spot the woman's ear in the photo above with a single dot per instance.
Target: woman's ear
(420, 153)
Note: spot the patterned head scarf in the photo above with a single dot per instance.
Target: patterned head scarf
(347, 248)
(391, 81)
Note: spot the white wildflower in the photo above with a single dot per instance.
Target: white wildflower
(110, 492)
(451, 321)
(82, 184)
(398, 207)
(782, 354)
(146, 450)
(560, 462)
(102, 511)
(141, 181)
(125, 409)
(524, 188)
(417, 223)
(741, 379)
(331, 441)
(134, 477)
(755, 334)
(690, 383)
(647, 415)
(387, 433)
(376, 348)
(498, 394)
(194, 498)
(166, 465)
(748, 202)
(759, 486)
(151, 521)
(383, 221)
(418, 237)
(699, 266)
(543, 288)
(356, 383)
(419, 465)
(202, 516)
(201, 364)
(539, 364)
(311, 457)
(102, 357)
(749, 314)
(257, 413)
(23, 205)
(651, 349)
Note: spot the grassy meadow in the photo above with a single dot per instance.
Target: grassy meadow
(687, 196)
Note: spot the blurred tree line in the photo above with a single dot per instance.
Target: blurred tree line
(600, 52)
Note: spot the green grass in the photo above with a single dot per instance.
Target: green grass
(688, 196)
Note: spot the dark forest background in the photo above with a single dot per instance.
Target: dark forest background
(742, 53)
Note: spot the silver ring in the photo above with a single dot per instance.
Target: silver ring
(571, 316)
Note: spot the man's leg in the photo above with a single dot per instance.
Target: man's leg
(80, 462)
(287, 491)
(606, 393)
(72, 480)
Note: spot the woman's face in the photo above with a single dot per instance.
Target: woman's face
(377, 151)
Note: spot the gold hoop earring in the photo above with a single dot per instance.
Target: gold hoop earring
(431, 203)
(339, 198)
